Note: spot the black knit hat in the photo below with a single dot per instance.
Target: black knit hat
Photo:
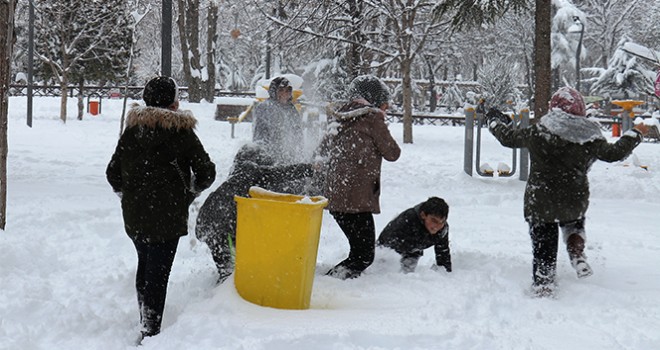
(276, 84)
(160, 92)
(370, 88)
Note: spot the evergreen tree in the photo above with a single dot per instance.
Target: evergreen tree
(498, 83)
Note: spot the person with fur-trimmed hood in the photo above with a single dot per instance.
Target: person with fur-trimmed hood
(216, 221)
(353, 149)
(158, 168)
(562, 146)
(277, 125)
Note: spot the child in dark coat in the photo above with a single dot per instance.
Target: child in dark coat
(216, 222)
(423, 226)
(562, 146)
(158, 168)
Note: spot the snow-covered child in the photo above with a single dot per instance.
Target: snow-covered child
(216, 222)
(562, 146)
(416, 229)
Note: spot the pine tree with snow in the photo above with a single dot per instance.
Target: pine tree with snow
(497, 78)
(625, 77)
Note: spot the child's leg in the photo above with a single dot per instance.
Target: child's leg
(222, 256)
(575, 239)
(361, 233)
(545, 239)
(152, 275)
(221, 240)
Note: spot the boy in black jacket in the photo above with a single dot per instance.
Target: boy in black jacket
(416, 229)
(216, 221)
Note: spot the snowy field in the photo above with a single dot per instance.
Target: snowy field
(67, 268)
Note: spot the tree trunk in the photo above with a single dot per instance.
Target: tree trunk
(64, 88)
(188, 23)
(7, 10)
(81, 98)
(542, 66)
(354, 55)
(182, 23)
(406, 85)
(195, 81)
(211, 36)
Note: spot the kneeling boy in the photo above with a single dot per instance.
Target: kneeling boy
(416, 229)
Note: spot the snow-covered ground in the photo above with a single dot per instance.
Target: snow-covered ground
(67, 268)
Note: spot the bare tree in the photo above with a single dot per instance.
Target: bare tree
(473, 12)
(7, 10)
(375, 34)
(410, 23)
(69, 38)
(198, 76)
(607, 20)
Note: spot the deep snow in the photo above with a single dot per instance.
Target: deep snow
(67, 268)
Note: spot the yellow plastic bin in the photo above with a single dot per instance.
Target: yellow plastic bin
(277, 238)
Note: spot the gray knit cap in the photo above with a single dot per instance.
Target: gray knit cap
(370, 88)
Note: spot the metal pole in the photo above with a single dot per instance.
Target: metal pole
(268, 54)
(30, 62)
(578, 52)
(469, 141)
(524, 152)
(166, 39)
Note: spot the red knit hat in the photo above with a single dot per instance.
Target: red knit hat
(568, 100)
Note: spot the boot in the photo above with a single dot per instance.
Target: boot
(543, 291)
(575, 247)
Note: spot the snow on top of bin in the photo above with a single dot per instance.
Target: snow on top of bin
(261, 193)
(305, 200)
(256, 190)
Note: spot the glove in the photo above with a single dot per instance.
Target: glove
(494, 115)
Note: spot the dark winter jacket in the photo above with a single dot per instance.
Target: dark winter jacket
(407, 235)
(278, 128)
(562, 148)
(355, 145)
(155, 159)
(217, 216)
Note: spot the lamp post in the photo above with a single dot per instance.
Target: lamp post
(577, 21)
(30, 74)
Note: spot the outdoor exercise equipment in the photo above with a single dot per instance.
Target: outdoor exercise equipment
(627, 115)
(472, 115)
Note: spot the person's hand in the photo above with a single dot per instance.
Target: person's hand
(495, 115)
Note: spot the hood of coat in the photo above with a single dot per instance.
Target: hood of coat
(153, 117)
(153, 126)
(355, 110)
(570, 128)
